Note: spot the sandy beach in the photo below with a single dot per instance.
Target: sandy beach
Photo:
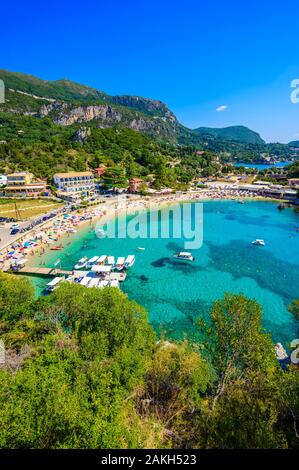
(56, 233)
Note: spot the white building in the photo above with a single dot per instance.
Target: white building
(74, 186)
(3, 180)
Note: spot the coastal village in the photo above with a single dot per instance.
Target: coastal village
(82, 198)
(149, 232)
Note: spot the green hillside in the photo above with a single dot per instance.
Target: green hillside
(235, 133)
(294, 144)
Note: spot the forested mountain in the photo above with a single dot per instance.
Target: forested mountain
(235, 133)
(46, 126)
(66, 103)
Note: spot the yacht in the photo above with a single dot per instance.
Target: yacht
(258, 242)
(184, 256)
(81, 263)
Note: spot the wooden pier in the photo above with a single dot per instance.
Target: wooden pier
(54, 272)
(47, 272)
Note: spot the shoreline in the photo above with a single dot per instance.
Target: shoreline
(59, 233)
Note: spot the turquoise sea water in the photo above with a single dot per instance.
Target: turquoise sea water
(176, 293)
(263, 167)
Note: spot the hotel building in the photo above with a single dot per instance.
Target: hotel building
(23, 184)
(75, 186)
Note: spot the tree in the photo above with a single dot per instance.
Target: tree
(294, 308)
(247, 395)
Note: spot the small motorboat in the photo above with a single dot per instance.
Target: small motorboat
(110, 261)
(53, 284)
(184, 256)
(258, 242)
(56, 248)
(91, 262)
(100, 233)
(130, 260)
(81, 263)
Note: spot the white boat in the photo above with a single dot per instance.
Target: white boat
(258, 242)
(53, 284)
(114, 283)
(111, 261)
(81, 263)
(18, 264)
(70, 278)
(120, 263)
(102, 259)
(184, 256)
(101, 269)
(130, 260)
(103, 284)
(93, 282)
(101, 233)
(91, 262)
(85, 281)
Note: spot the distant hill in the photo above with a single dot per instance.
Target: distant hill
(234, 133)
(294, 144)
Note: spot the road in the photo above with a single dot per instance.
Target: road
(6, 238)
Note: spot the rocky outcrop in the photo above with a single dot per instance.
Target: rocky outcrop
(82, 134)
(63, 115)
(106, 116)
(145, 105)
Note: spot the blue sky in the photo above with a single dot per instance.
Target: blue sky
(194, 55)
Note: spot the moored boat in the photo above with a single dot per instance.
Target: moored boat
(110, 261)
(91, 262)
(120, 263)
(53, 284)
(184, 256)
(102, 259)
(259, 242)
(56, 248)
(81, 263)
(130, 260)
(85, 281)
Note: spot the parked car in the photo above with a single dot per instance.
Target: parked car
(14, 231)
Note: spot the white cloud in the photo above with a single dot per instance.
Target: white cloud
(221, 108)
